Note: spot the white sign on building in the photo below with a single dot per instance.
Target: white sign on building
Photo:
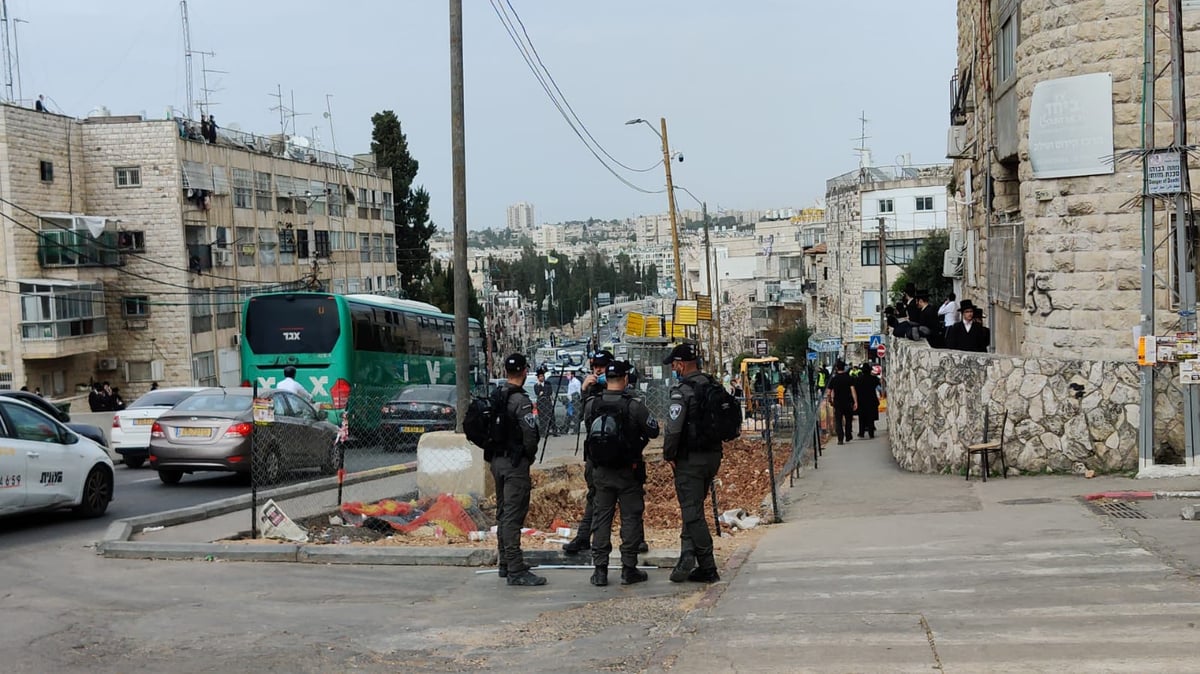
(1071, 127)
(1164, 174)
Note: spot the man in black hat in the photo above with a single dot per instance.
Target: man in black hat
(931, 328)
(618, 427)
(510, 470)
(696, 460)
(593, 385)
(843, 397)
(969, 334)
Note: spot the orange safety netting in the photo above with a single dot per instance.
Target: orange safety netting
(445, 511)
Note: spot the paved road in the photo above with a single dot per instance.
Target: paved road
(140, 492)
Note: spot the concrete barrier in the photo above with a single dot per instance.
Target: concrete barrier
(448, 464)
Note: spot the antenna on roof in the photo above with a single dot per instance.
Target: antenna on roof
(864, 153)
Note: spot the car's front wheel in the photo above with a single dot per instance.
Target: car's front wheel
(170, 476)
(97, 493)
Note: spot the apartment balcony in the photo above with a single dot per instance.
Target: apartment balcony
(61, 318)
(78, 248)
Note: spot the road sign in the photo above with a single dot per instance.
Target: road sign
(876, 340)
(761, 347)
(881, 350)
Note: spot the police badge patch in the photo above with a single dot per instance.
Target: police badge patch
(531, 420)
(675, 411)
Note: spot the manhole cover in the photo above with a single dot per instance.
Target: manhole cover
(1027, 501)
(1120, 509)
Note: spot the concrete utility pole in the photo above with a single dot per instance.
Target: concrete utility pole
(458, 153)
(671, 205)
(1149, 75)
(1186, 274)
(708, 275)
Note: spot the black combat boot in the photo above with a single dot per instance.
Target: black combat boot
(600, 576)
(526, 578)
(687, 562)
(577, 545)
(643, 548)
(632, 574)
(704, 576)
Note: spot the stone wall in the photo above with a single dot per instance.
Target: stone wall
(937, 397)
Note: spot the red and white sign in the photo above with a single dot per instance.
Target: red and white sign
(881, 351)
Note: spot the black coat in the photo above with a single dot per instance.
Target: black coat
(868, 397)
(933, 325)
(975, 340)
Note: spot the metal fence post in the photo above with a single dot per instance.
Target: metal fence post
(771, 457)
(253, 481)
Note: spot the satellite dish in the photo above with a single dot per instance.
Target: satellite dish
(300, 141)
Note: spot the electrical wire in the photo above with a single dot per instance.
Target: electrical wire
(511, 30)
(567, 103)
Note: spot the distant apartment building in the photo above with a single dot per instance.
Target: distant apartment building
(910, 202)
(129, 245)
(520, 218)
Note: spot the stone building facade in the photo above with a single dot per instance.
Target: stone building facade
(1058, 259)
(184, 231)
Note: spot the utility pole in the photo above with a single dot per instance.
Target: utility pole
(707, 272)
(882, 276)
(458, 152)
(187, 54)
(1149, 75)
(1186, 272)
(671, 206)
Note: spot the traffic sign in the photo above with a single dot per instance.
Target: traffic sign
(876, 340)
(881, 350)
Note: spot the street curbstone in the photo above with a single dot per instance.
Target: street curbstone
(1121, 495)
(396, 556)
(250, 552)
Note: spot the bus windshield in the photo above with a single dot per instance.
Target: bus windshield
(278, 324)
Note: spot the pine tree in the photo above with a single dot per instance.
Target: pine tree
(413, 226)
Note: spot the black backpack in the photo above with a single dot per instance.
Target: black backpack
(486, 423)
(609, 440)
(720, 414)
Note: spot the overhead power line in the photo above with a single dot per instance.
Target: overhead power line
(526, 54)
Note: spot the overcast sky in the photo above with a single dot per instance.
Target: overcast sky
(762, 97)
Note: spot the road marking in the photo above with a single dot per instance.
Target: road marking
(144, 479)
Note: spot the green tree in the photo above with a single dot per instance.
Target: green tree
(440, 291)
(794, 343)
(925, 270)
(413, 226)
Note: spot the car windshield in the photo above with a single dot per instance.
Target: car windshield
(446, 394)
(160, 399)
(215, 402)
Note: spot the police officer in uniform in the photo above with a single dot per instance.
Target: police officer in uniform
(593, 385)
(623, 484)
(696, 460)
(510, 470)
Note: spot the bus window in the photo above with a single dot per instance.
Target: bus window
(292, 324)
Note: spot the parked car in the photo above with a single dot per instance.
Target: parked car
(211, 429)
(131, 426)
(417, 410)
(89, 431)
(44, 465)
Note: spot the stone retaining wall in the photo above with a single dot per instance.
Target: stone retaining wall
(936, 400)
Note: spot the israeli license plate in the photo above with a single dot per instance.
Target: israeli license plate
(194, 433)
(412, 429)
(143, 422)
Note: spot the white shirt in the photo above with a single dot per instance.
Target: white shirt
(574, 387)
(949, 313)
(292, 386)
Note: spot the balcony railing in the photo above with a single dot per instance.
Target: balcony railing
(74, 248)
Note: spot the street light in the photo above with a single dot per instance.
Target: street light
(670, 195)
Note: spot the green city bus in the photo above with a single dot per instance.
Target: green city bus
(370, 345)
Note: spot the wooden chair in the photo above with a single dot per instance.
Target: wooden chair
(993, 443)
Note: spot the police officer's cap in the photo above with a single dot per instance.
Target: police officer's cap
(515, 363)
(618, 368)
(602, 358)
(680, 352)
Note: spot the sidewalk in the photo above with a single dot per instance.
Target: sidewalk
(879, 570)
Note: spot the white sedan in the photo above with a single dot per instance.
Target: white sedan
(130, 435)
(45, 465)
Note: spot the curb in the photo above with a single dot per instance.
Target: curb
(1140, 495)
(119, 531)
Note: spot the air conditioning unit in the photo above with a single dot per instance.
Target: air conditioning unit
(235, 341)
(222, 257)
(107, 364)
(958, 240)
(952, 264)
(956, 143)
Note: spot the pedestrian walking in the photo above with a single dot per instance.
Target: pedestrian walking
(619, 426)
(844, 400)
(696, 459)
(510, 471)
(592, 386)
(866, 388)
